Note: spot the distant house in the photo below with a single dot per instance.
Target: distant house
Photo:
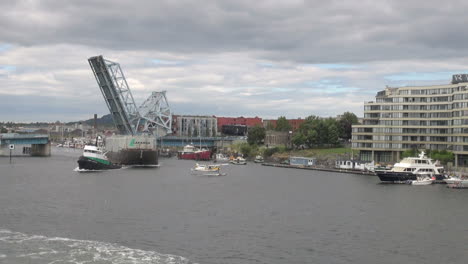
(354, 165)
(302, 161)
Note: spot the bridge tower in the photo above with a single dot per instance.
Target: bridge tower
(117, 94)
(156, 115)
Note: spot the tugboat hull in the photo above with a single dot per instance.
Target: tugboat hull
(85, 163)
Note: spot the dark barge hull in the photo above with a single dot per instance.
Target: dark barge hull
(133, 157)
(85, 163)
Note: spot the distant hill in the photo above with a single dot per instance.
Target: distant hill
(105, 120)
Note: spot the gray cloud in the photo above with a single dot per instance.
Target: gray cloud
(236, 57)
(304, 31)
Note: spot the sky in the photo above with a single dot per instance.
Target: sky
(265, 58)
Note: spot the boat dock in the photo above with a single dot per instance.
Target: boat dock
(370, 173)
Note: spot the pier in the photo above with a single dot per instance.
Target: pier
(370, 173)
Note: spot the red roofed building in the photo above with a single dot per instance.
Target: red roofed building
(295, 123)
(244, 121)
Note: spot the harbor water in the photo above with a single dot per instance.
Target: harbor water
(50, 213)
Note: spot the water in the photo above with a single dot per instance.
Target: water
(50, 213)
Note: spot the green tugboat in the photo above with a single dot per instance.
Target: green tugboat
(94, 158)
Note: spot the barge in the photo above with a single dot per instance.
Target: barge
(132, 150)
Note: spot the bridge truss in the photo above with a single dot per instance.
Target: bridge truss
(153, 114)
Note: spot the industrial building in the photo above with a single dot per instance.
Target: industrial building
(415, 117)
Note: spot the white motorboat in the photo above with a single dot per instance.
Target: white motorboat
(239, 161)
(421, 180)
(208, 169)
(259, 159)
(221, 157)
(452, 179)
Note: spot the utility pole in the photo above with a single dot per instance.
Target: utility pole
(11, 147)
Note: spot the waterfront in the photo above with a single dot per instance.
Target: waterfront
(255, 214)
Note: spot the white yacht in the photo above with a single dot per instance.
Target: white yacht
(409, 168)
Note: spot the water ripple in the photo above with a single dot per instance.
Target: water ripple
(23, 248)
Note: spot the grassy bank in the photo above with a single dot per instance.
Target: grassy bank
(321, 153)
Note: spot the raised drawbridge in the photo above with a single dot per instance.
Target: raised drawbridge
(153, 116)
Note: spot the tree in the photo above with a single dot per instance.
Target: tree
(322, 133)
(311, 138)
(346, 122)
(298, 139)
(409, 153)
(246, 150)
(333, 135)
(282, 124)
(256, 135)
(270, 126)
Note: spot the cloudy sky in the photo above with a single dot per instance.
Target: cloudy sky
(264, 58)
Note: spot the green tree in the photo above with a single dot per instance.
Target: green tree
(282, 124)
(3, 130)
(246, 149)
(346, 122)
(299, 139)
(270, 126)
(443, 156)
(409, 153)
(333, 135)
(322, 133)
(256, 135)
(311, 138)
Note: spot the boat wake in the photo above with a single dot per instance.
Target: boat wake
(77, 169)
(22, 248)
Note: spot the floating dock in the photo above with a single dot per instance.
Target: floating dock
(370, 173)
(457, 186)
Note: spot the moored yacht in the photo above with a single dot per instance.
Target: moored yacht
(409, 168)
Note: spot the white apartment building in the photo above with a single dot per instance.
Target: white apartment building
(196, 126)
(422, 117)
